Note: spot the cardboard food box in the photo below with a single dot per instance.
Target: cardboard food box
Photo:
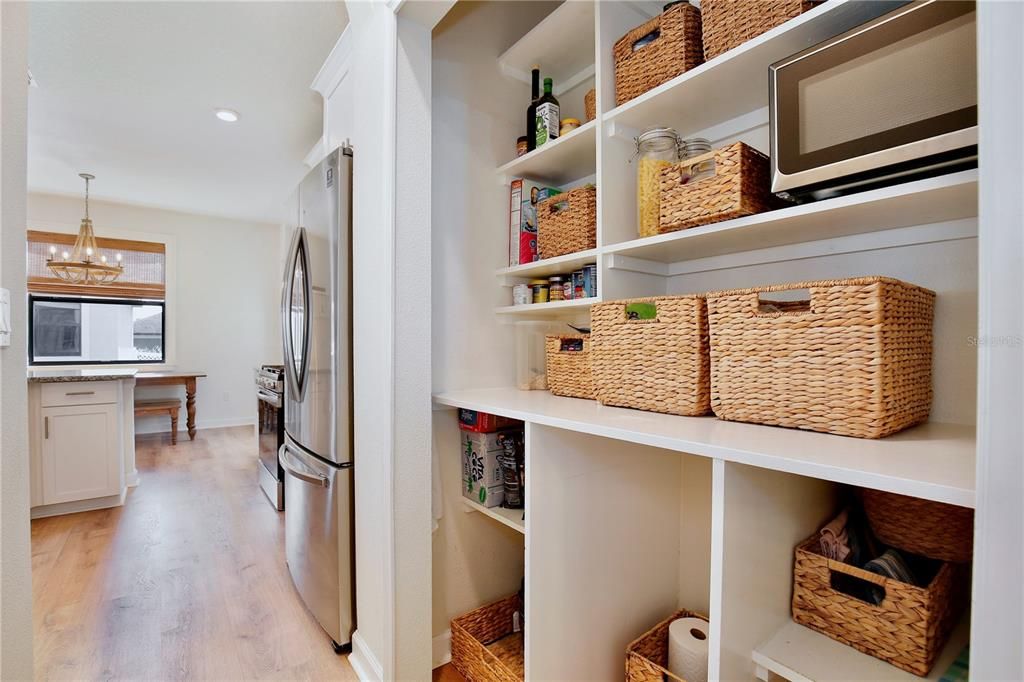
(523, 199)
(481, 473)
(482, 422)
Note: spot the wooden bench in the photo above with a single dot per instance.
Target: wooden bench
(169, 406)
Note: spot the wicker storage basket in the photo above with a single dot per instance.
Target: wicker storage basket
(675, 48)
(590, 104)
(484, 648)
(647, 655)
(736, 184)
(568, 371)
(932, 529)
(854, 360)
(567, 222)
(729, 23)
(659, 365)
(909, 627)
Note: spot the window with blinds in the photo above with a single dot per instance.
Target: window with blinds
(143, 276)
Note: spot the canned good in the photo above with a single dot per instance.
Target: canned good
(521, 294)
(567, 289)
(540, 290)
(521, 146)
(556, 290)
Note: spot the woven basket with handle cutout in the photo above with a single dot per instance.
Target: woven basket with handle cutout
(730, 23)
(484, 647)
(567, 222)
(568, 371)
(647, 655)
(676, 48)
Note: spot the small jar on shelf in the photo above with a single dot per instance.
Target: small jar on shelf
(556, 288)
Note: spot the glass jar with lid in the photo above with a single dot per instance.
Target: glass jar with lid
(656, 148)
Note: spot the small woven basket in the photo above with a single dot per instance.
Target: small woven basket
(659, 365)
(647, 655)
(730, 182)
(484, 648)
(568, 371)
(675, 48)
(854, 360)
(729, 23)
(567, 222)
(908, 629)
(590, 104)
(932, 529)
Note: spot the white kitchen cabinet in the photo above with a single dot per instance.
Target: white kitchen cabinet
(80, 453)
(81, 440)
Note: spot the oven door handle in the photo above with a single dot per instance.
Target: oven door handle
(269, 397)
(290, 467)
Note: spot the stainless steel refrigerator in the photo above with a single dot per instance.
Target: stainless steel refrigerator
(317, 455)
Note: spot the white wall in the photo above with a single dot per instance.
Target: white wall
(15, 552)
(223, 297)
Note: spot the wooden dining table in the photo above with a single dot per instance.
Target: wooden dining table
(174, 378)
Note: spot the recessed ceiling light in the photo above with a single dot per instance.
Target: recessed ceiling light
(229, 115)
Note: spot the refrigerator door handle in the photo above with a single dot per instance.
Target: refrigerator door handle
(290, 467)
(296, 379)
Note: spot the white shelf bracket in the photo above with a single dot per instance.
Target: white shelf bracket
(616, 129)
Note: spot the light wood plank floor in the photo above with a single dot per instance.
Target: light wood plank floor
(187, 581)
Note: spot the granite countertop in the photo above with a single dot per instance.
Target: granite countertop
(49, 376)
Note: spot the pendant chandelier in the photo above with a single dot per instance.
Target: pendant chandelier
(85, 264)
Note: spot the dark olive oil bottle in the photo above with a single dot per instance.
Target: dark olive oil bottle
(531, 111)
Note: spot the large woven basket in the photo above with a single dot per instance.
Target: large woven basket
(675, 48)
(659, 365)
(568, 371)
(647, 655)
(484, 647)
(932, 529)
(567, 222)
(729, 23)
(736, 184)
(854, 360)
(909, 627)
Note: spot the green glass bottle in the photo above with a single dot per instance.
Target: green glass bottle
(548, 115)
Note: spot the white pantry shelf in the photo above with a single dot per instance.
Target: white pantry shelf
(933, 461)
(917, 203)
(736, 82)
(562, 44)
(551, 309)
(513, 518)
(559, 265)
(800, 654)
(567, 158)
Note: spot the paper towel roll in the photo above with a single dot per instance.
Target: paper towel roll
(688, 649)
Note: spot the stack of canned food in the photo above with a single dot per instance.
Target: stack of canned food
(579, 284)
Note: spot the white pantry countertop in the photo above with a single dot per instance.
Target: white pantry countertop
(43, 376)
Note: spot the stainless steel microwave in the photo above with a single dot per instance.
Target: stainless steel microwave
(891, 100)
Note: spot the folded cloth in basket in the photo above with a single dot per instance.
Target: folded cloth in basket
(834, 538)
(890, 565)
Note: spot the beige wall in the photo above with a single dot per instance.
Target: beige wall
(223, 296)
(15, 566)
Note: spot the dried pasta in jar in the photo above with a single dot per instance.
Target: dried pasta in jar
(656, 148)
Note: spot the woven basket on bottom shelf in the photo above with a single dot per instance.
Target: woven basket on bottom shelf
(932, 529)
(737, 185)
(567, 222)
(675, 49)
(908, 629)
(647, 655)
(484, 648)
(568, 371)
(730, 23)
(855, 360)
(660, 365)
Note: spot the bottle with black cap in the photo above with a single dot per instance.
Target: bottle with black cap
(531, 111)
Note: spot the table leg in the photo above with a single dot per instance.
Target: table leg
(190, 407)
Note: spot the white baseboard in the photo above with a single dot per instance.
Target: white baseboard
(362, 660)
(43, 511)
(442, 649)
(147, 425)
(132, 479)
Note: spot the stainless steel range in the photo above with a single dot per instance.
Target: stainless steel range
(270, 431)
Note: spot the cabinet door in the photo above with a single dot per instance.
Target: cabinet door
(80, 453)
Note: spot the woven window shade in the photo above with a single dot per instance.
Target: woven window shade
(143, 276)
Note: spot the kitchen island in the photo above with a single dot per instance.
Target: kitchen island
(81, 439)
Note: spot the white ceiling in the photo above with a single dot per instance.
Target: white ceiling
(127, 91)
